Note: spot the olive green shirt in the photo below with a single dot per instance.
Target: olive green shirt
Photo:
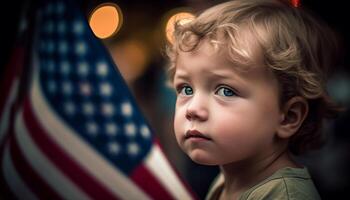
(287, 183)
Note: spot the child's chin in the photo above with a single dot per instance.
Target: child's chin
(202, 160)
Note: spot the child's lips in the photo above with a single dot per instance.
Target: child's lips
(196, 134)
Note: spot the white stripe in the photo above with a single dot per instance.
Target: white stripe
(47, 170)
(73, 145)
(159, 166)
(16, 184)
(4, 122)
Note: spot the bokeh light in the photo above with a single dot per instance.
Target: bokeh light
(105, 20)
(131, 57)
(178, 16)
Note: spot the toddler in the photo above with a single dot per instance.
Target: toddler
(250, 78)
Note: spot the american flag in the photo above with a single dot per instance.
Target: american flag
(78, 133)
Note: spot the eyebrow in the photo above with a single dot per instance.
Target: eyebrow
(213, 75)
(181, 75)
(223, 74)
(219, 75)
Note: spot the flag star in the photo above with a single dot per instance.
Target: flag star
(49, 8)
(50, 46)
(102, 69)
(65, 67)
(126, 109)
(23, 25)
(80, 48)
(145, 131)
(107, 109)
(92, 128)
(67, 88)
(111, 129)
(88, 108)
(114, 148)
(85, 89)
(40, 13)
(69, 108)
(106, 89)
(63, 47)
(130, 130)
(83, 68)
(133, 149)
(52, 86)
(49, 27)
(60, 8)
(43, 45)
(50, 66)
(78, 27)
(61, 27)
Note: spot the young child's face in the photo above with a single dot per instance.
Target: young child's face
(224, 114)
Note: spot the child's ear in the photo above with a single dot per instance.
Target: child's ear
(294, 112)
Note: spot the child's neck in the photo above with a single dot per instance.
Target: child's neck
(241, 176)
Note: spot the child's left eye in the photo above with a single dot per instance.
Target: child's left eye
(225, 91)
(185, 90)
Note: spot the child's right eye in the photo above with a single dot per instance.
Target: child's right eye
(185, 90)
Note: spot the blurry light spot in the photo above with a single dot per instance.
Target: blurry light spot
(78, 27)
(105, 89)
(80, 48)
(65, 68)
(111, 129)
(105, 20)
(295, 3)
(69, 108)
(92, 128)
(114, 148)
(83, 68)
(133, 149)
(131, 57)
(179, 17)
(339, 88)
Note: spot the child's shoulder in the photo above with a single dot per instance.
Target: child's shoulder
(287, 183)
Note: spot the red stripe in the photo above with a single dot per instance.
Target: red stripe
(5, 189)
(184, 183)
(35, 183)
(12, 70)
(149, 183)
(64, 162)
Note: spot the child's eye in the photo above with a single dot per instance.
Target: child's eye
(185, 90)
(225, 91)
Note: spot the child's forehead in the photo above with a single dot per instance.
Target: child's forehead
(244, 52)
(213, 58)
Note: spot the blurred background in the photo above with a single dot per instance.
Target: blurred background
(136, 40)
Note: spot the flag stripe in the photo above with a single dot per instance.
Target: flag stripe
(42, 165)
(77, 133)
(6, 111)
(150, 184)
(12, 72)
(57, 155)
(167, 177)
(40, 188)
(72, 145)
(9, 89)
(19, 188)
(186, 187)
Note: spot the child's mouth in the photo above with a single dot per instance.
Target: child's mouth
(195, 134)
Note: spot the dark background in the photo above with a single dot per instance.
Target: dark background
(328, 166)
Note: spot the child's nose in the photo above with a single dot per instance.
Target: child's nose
(197, 108)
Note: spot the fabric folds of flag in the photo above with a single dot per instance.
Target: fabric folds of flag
(78, 133)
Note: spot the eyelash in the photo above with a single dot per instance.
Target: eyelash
(181, 90)
(232, 91)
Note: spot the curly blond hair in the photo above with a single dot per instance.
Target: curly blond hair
(298, 48)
